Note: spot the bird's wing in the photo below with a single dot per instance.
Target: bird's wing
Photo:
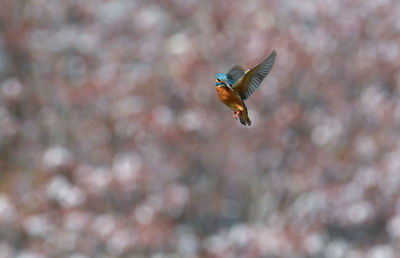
(253, 77)
(235, 73)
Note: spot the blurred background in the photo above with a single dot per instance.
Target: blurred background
(114, 144)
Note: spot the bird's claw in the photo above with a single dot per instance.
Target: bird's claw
(236, 114)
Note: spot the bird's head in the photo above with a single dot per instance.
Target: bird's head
(222, 79)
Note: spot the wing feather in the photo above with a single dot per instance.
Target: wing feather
(235, 73)
(253, 77)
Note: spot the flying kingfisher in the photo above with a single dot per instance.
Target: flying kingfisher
(238, 85)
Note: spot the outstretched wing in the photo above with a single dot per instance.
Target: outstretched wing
(253, 77)
(235, 73)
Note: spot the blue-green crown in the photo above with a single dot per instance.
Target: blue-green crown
(222, 77)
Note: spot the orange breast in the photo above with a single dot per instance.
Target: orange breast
(230, 98)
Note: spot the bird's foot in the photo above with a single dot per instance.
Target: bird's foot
(236, 114)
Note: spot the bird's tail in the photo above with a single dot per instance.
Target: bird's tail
(244, 118)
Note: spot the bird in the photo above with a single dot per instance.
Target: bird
(238, 85)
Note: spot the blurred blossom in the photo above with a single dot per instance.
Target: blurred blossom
(6, 251)
(106, 73)
(76, 221)
(120, 241)
(336, 249)
(7, 210)
(392, 160)
(87, 43)
(110, 12)
(326, 131)
(8, 126)
(176, 197)
(390, 184)
(126, 166)
(188, 243)
(314, 244)
(150, 18)
(393, 227)
(62, 40)
(381, 251)
(63, 241)
(38, 225)
(372, 96)
(216, 245)
(77, 255)
(56, 157)
(64, 193)
(103, 225)
(144, 214)
(179, 44)
(163, 115)
(353, 192)
(309, 205)
(191, 120)
(95, 179)
(359, 212)
(30, 254)
(366, 177)
(365, 147)
(11, 89)
(255, 115)
(75, 68)
(126, 107)
(239, 235)
(271, 242)
(125, 128)
(355, 254)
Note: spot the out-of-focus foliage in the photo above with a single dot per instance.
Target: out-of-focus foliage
(113, 143)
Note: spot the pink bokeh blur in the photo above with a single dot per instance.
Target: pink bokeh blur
(114, 144)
